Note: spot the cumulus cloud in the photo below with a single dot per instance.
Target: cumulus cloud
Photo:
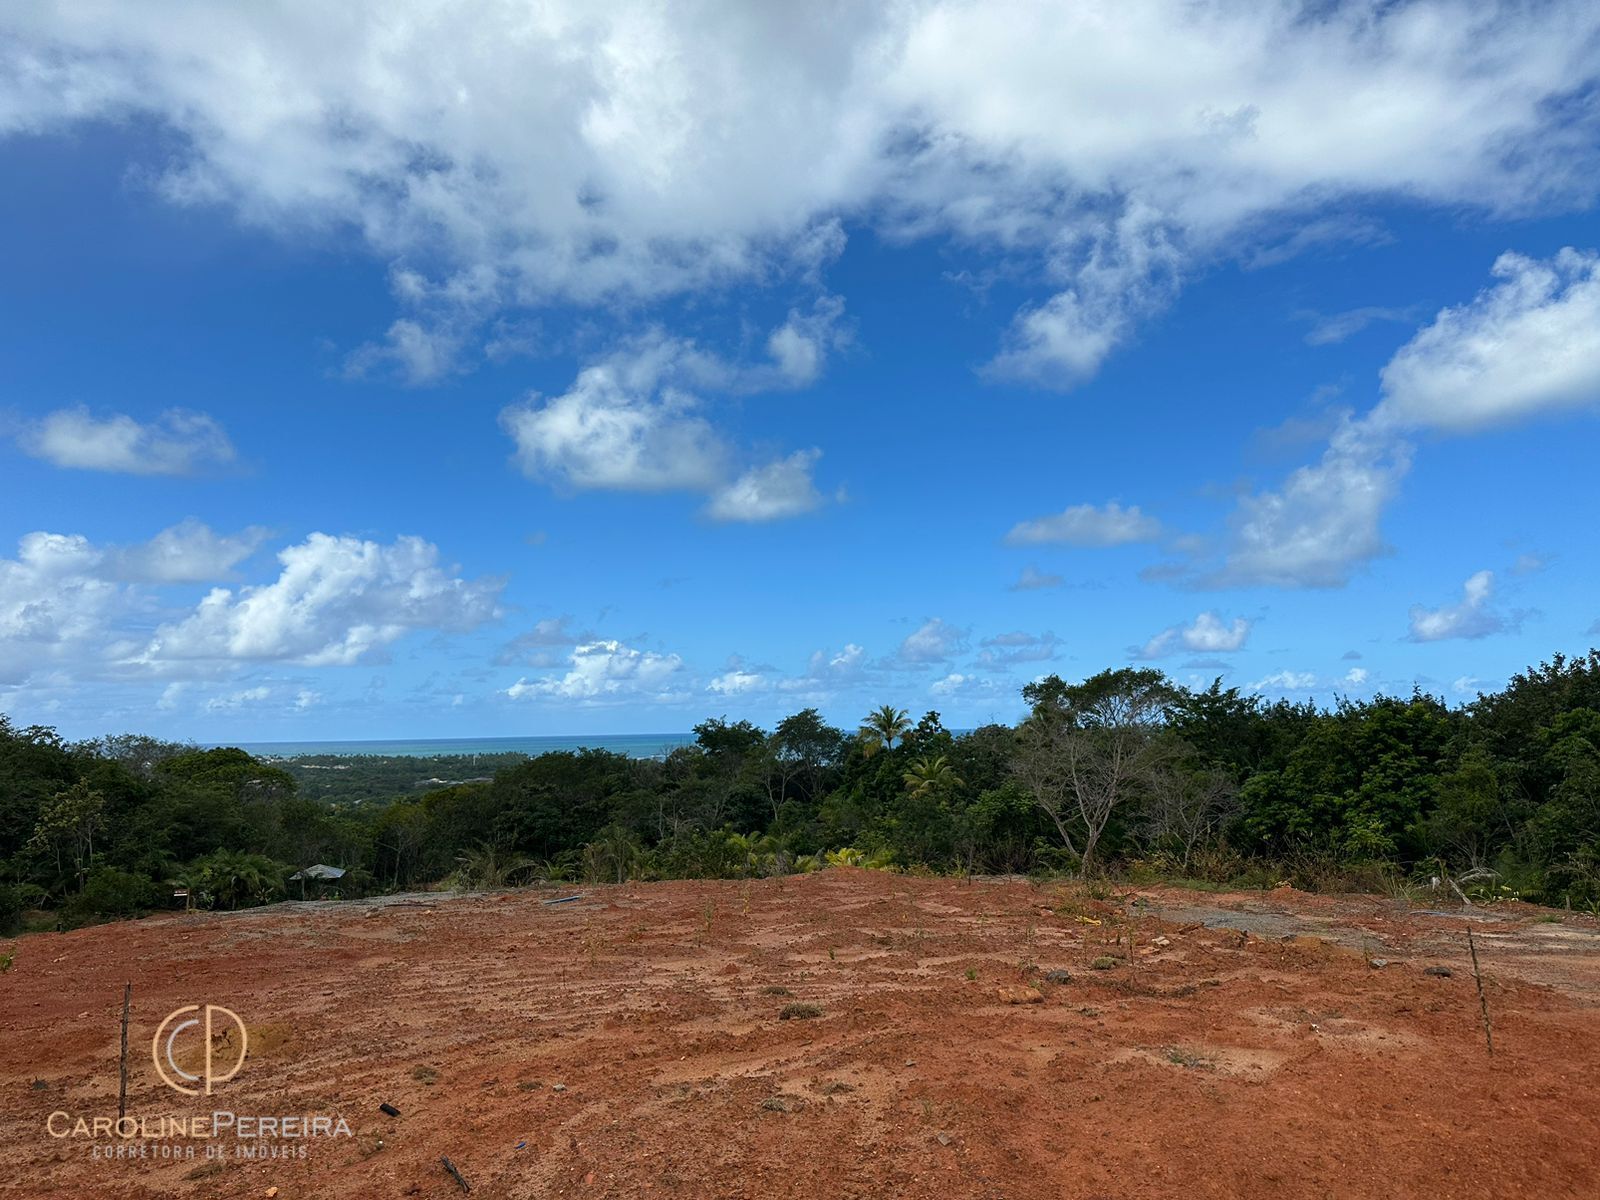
(56, 606)
(178, 442)
(233, 701)
(336, 601)
(618, 428)
(1285, 681)
(848, 663)
(189, 552)
(956, 685)
(607, 670)
(71, 605)
(1473, 617)
(596, 153)
(779, 489)
(1087, 525)
(630, 422)
(933, 641)
(1324, 521)
(1525, 346)
(1356, 676)
(1208, 633)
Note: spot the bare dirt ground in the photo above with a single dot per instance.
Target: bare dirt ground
(633, 1043)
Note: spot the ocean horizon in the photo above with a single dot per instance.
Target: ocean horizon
(635, 745)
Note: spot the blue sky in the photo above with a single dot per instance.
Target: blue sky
(601, 368)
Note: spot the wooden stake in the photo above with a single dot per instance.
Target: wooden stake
(122, 1090)
(1483, 1003)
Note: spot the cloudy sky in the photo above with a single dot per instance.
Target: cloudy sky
(405, 369)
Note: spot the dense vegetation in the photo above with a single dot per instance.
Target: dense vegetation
(1122, 772)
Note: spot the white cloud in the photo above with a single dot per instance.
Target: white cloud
(604, 670)
(631, 423)
(417, 353)
(956, 684)
(1466, 685)
(1087, 525)
(1356, 676)
(1010, 649)
(1527, 345)
(1337, 327)
(1473, 617)
(234, 701)
(189, 552)
(337, 601)
(597, 153)
(1285, 681)
(178, 442)
(1323, 522)
(1208, 633)
(848, 663)
(614, 430)
(779, 489)
(738, 683)
(1033, 579)
(55, 606)
(933, 641)
(70, 605)
(1124, 275)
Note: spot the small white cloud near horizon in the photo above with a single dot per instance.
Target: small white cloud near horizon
(1285, 681)
(178, 442)
(337, 601)
(1087, 525)
(606, 670)
(1471, 618)
(1208, 633)
(1356, 676)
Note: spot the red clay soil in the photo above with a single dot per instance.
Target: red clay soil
(635, 1043)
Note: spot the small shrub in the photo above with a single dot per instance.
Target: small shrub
(108, 895)
(1191, 1059)
(1104, 963)
(800, 1011)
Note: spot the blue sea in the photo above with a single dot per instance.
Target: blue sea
(635, 745)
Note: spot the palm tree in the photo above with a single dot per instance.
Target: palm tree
(485, 867)
(233, 878)
(929, 775)
(881, 728)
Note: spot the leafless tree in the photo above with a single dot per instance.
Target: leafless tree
(1187, 808)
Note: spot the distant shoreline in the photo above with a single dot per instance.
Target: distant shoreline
(635, 745)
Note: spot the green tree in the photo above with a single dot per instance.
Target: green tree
(882, 728)
(68, 825)
(1089, 749)
(930, 776)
